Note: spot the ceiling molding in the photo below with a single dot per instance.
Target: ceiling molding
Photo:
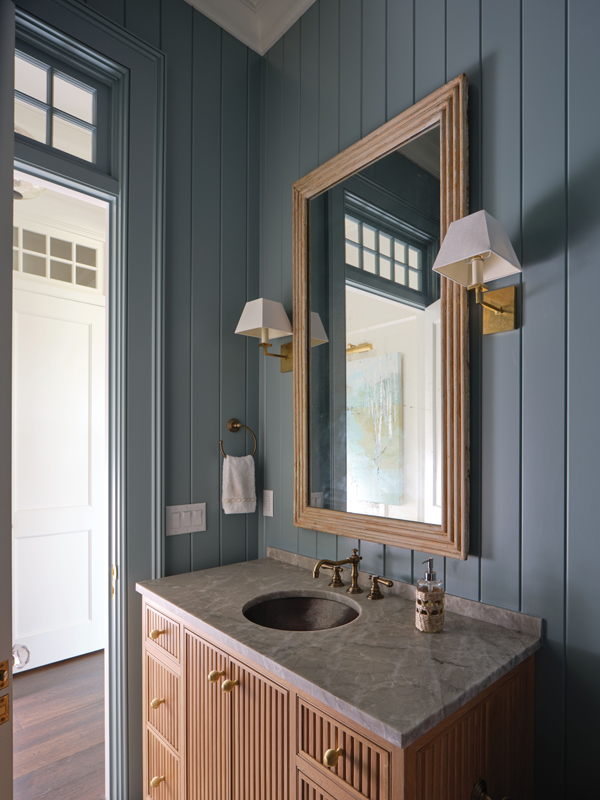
(256, 23)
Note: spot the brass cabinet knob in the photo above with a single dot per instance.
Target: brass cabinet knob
(331, 757)
(156, 781)
(228, 686)
(156, 702)
(156, 633)
(214, 676)
(3, 675)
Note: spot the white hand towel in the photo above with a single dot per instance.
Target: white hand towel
(239, 493)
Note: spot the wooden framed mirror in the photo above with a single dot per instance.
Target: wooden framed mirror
(381, 408)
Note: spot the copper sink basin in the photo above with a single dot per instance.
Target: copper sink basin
(301, 613)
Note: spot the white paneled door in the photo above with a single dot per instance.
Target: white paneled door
(60, 568)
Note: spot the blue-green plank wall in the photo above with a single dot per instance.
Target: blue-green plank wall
(212, 263)
(532, 65)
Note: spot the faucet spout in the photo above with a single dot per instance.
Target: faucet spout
(320, 563)
(354, 559)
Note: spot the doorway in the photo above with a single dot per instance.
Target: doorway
(60, 487)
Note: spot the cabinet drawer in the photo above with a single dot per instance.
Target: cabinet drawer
(363, 766)
(309, 790)
(162, 684)
(167, 632)
(162, 763)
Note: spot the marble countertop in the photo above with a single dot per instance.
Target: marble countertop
(378, 670)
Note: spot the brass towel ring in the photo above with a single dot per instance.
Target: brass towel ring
(234, 425)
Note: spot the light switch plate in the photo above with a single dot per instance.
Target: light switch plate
(186, 519)
(267, 502)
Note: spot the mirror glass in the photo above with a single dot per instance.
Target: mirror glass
(375, 385)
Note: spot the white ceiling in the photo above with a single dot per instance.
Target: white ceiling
(257, 23)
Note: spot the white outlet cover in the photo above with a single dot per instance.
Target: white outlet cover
(186, 519)
(267, 502)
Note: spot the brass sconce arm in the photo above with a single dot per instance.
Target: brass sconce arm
(265, 346)
(480, 288)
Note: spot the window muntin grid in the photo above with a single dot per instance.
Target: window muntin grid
(56, 259)
(380, 253)
(54, 108)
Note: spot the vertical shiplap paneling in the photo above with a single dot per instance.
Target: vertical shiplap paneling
(430, 73)
(350, 72)
(206, 280)
(113, 9)
(329, 79)
(234, 85)
(142, 18)
(501, 354)
(544, 355)
(271, 285)
(583, 541)
(430, 47)
(400, 57)
(462, 55)
(374, 45)
(176, 42)
(253, 274)
(309, 154)
(290, 172)
(329, 142)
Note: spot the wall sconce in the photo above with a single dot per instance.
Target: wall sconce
(266, 319)
(477, 249)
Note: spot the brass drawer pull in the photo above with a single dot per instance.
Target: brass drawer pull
(228, 686)
(331, 757)
(156, 781)
(214, 676)
(156, 702)
(156, 633)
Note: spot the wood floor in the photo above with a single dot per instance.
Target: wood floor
(58, 717)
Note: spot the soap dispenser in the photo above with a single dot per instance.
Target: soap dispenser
(429, 609)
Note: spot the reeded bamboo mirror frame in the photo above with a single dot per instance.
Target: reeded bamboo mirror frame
(446, 107)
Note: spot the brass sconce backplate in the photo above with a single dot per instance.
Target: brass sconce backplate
(287, 363)
(505, 299)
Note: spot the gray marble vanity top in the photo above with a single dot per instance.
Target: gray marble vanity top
(378, 670)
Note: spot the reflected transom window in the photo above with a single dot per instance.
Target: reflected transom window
(382, 253)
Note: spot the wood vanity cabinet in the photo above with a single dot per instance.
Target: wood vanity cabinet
(265, 740)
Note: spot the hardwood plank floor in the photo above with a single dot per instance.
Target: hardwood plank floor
(59, 731)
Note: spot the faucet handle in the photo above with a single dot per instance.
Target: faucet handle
(336, 580)
(375, 593)
(355, 554)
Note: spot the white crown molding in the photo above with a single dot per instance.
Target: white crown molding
(256, 23)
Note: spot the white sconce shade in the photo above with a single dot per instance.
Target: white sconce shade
(264, 316)
(317, 331)
(476, 249)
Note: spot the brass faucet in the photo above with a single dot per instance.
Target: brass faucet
(354, 588)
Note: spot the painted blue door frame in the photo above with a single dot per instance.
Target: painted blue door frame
(132, 181)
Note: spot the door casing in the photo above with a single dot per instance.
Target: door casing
(134, 188)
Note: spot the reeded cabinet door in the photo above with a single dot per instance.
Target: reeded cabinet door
(259, 737)
(208, 762)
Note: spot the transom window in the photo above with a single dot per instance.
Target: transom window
(46, 256)
(381, 253)
(54, 108)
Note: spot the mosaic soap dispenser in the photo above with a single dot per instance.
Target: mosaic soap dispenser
(429, 609)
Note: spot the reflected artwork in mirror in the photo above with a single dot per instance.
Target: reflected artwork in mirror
(381, 429)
